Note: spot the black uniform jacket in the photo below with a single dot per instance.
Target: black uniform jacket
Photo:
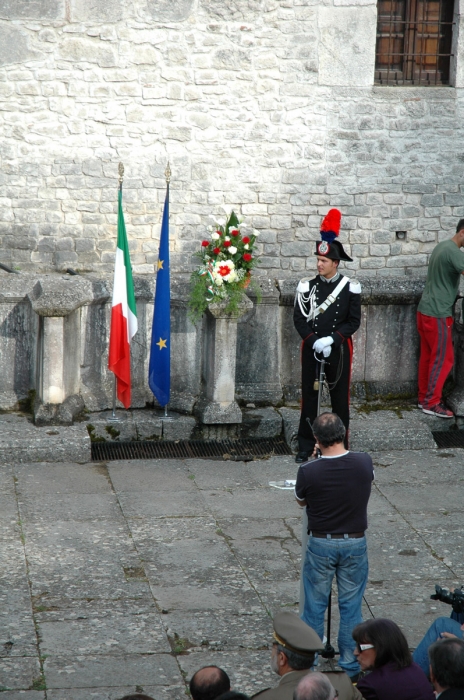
(339, 321)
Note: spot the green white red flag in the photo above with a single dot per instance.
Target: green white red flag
(123, 314)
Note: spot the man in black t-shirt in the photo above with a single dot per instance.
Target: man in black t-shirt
(335, 490)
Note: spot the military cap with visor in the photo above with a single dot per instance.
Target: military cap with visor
(295, 635)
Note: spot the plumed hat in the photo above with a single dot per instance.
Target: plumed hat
(329, 247)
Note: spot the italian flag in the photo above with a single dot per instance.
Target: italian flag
(123, 314)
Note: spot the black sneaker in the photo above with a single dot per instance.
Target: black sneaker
(301, 457)
(439, 410)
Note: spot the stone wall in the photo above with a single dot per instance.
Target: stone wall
(264, 105)
(54, 335)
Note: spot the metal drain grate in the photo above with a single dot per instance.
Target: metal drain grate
(236, 450)
(448, 438)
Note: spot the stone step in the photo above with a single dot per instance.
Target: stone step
(22, 441)
(377, 430)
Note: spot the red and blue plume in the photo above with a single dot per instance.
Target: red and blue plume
(330, 227)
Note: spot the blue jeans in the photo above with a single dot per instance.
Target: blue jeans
(347, 560)
(441, 624)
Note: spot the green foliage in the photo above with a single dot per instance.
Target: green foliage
(26, 405)
(38, 683)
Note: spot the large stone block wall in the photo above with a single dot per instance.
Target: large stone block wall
(75, 312)
(264, 105)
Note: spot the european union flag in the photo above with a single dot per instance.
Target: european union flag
(159, 371)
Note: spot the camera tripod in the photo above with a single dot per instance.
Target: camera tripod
(329, 651)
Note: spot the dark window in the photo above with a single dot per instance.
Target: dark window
(413, 42)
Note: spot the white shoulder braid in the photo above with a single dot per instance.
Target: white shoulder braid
(303, 286)
(355, 287)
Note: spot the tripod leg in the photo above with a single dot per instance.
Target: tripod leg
(304, 543)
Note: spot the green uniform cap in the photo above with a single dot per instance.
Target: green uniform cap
(295, 635)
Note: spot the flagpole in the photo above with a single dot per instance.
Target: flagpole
(114, 418)
(167, 175)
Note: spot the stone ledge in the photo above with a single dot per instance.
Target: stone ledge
(375, 291)
(378, 430)
(22, 441)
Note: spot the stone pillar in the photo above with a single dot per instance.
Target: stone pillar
(217, 404)
(456, 399)
(57, 301)
(258, 349)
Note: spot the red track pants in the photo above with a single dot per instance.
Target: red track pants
(436, 357)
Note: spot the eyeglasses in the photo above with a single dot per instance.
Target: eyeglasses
(364, 647)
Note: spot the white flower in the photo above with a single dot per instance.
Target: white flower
(255, 232)
(215, 236)
(218, 280)
(218, 222)
(227, 238)
(246, 246)
(210, 228)
(243, 224)
(232, 250)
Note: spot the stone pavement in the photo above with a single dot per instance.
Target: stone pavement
(134, 574)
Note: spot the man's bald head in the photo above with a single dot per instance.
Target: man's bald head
(314, 686)
(208, 683)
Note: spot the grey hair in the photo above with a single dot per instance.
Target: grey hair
(314, 686)
(298, 662)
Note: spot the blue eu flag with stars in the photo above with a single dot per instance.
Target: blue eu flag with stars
(159, 371)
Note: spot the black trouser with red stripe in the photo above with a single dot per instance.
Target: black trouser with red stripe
(339, 394)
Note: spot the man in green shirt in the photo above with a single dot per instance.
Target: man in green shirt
(435, 321)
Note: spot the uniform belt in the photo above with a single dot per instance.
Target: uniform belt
(338, 536)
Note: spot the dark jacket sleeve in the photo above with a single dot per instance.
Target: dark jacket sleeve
(300, 485)
(302, 326)
(366, 691)
(351, 323)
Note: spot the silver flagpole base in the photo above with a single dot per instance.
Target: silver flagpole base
(114, 418)
(167, 417)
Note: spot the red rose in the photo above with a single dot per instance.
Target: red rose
(205, 244)
(235, 232)
(245, 239)
(219, 233)
(247, 257)
(216, 251)
(226, 244)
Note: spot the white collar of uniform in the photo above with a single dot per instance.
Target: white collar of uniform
(334, 456)
(332, 279)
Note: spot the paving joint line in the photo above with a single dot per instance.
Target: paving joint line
(427, 545)
(40, 682)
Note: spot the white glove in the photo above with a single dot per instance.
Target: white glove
(322, 343)
(326, 351)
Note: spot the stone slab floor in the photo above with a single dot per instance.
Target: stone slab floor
(132, 575)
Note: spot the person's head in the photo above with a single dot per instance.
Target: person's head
(208, 683)
(314, 686)
(446, 658)
(295, 644)
(328, 429)
(379, 642)
(458, 237)
(326, 267)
